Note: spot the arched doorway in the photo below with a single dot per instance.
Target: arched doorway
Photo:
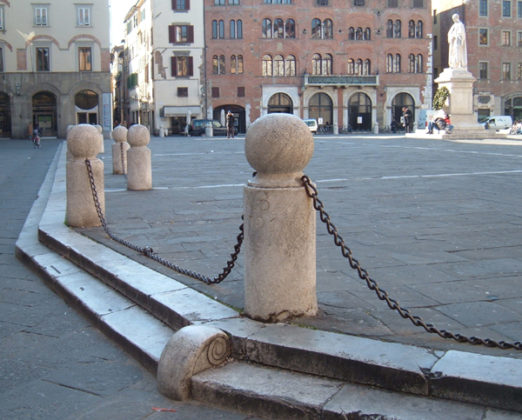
(320, 108)
(5, 115)
(360, 112)
(513, 107)
(239, 114)
(44, 113)
(280, 102)
(402, 100)
(86, 107)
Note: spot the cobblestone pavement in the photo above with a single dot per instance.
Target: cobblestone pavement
(437, 224)
(53, 363)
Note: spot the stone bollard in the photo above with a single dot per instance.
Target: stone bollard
(139, 175)
(83, 143)
(119, 150)
(102, 143)
(280, 260)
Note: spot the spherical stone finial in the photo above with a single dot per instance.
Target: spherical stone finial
(138, 135)
(278, 147)
(119, 134)
(83, 141)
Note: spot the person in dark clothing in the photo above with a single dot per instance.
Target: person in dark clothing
(406, 113)
(230, 125)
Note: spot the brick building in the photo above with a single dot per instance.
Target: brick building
(494, 46)
(351, 64)
(54, 60)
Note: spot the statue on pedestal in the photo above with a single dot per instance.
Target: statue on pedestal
(458, 56)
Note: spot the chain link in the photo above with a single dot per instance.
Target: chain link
(149, 252)
(311, 190)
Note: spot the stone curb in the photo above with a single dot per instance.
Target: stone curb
(470, 377)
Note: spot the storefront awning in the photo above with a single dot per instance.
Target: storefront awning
(179, 111)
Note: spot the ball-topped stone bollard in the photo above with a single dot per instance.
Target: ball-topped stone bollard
(280, 252)
(139, 166)
(119, 150)
(83, 144)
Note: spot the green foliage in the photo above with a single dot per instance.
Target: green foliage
(439, 100)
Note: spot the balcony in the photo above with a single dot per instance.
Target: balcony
(340, 81)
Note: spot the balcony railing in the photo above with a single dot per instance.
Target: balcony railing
(341, 80)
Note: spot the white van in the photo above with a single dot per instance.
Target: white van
(498, 122)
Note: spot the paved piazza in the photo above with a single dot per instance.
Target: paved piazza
(437, 224)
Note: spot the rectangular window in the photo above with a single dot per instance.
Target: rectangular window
(393, 3)
(83, 15)
(240, 91)
(1, 60)
(519, 39)
(506, 38)
(179, 34)
(183, 92)
(233, 2)
(506, 71)
(519, 71)
(215, 92)
(85, 58)
(321, 2)
(483, 70)
(42, 59)
(506, 8)
(483, 36)
(219, 2)
(181, 66)
(519, 9)
(435, 42)
(483, 7)
(40, 16)
(418, 4)
(358, 2)
(2, 23)
(180, 4)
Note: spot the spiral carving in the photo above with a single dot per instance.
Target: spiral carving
(218, 350)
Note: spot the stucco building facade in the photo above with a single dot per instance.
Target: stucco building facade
(54, 60)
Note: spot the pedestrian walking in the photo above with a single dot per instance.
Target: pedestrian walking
(36, 137)
(230, 119)
(406, 113)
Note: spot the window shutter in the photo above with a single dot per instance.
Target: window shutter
(173, 66)
(190, 34)
(173, 4)
(187, 4)
(172, 34)
(190, 67)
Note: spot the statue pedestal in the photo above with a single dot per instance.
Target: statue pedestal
(459, 83)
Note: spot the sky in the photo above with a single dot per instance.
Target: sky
(118, 9)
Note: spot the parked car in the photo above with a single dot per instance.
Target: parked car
(498, 122)
(312, 125)
(198, 127)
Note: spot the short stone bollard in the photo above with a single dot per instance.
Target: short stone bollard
(280, 250)
(119, 150)
(139, 170)
(83, 143)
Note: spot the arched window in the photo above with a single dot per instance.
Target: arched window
(358, 67)
(290, 66)
(221, 29)
(316, 64)
(267, 28)
(351, 33)
(397, 66)
(411, 63)
(351, 66)
(267, 65)
(389, 63)
(367, 34)
(327, 65)
(316, 28)
(389, 29)
(239, 29)
(419, 64)
(320, 107)
(419, 31)
(327, 29)
(280, 102)
(239, 64)
(279, 65)
(279, 28)
(290, 28)
(359, 34)
(397, 29)
(367, 68)
(411, 29)
(218, 64)
(232, 29)
(214, 29)
(233, 64)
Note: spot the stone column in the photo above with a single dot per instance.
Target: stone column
(119, 150)
(139, 176)
(280, 260)
(83, 143)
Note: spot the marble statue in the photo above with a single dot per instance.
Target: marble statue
(458, 56)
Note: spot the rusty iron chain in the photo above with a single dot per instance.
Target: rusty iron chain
(149, 252)
(311, 190)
